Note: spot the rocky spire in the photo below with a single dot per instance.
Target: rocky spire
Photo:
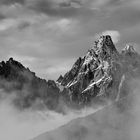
(104, 47)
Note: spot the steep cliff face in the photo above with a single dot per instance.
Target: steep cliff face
(99, 73)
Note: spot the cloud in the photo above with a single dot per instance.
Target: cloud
(52, 30)
(26, 124)
(7, 2)
(52, 4)
(6, 24)
(47, 6)
(60, 8)
(58, 68)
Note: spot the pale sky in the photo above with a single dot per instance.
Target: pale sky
(49, 35)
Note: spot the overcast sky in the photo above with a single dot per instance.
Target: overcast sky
(49, 35)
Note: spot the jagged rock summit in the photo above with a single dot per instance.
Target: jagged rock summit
(104, 47)
(98, 74)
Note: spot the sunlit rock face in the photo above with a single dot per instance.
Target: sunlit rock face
(97, 75)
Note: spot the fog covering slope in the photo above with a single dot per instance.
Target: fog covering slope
(116, 121)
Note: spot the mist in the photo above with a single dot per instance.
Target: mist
(25, 124)
(119, 120)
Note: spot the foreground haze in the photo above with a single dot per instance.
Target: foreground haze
(118, 121)
(24, 125)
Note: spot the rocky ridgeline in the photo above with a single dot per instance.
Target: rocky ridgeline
(29, 89)
(102, 74)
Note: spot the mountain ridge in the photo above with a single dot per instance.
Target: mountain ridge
(99, 72)
(14, 77)
(102, 74)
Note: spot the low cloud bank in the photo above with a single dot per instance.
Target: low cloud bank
(25, 124)
(118, 121)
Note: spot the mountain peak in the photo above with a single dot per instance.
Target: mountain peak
(104, 47)
(15, 63)
(11, 59)
(104, 40)
(128, 49)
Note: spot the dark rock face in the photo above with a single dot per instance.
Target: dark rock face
(59, 80)
(99, 73)
(29, 89)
